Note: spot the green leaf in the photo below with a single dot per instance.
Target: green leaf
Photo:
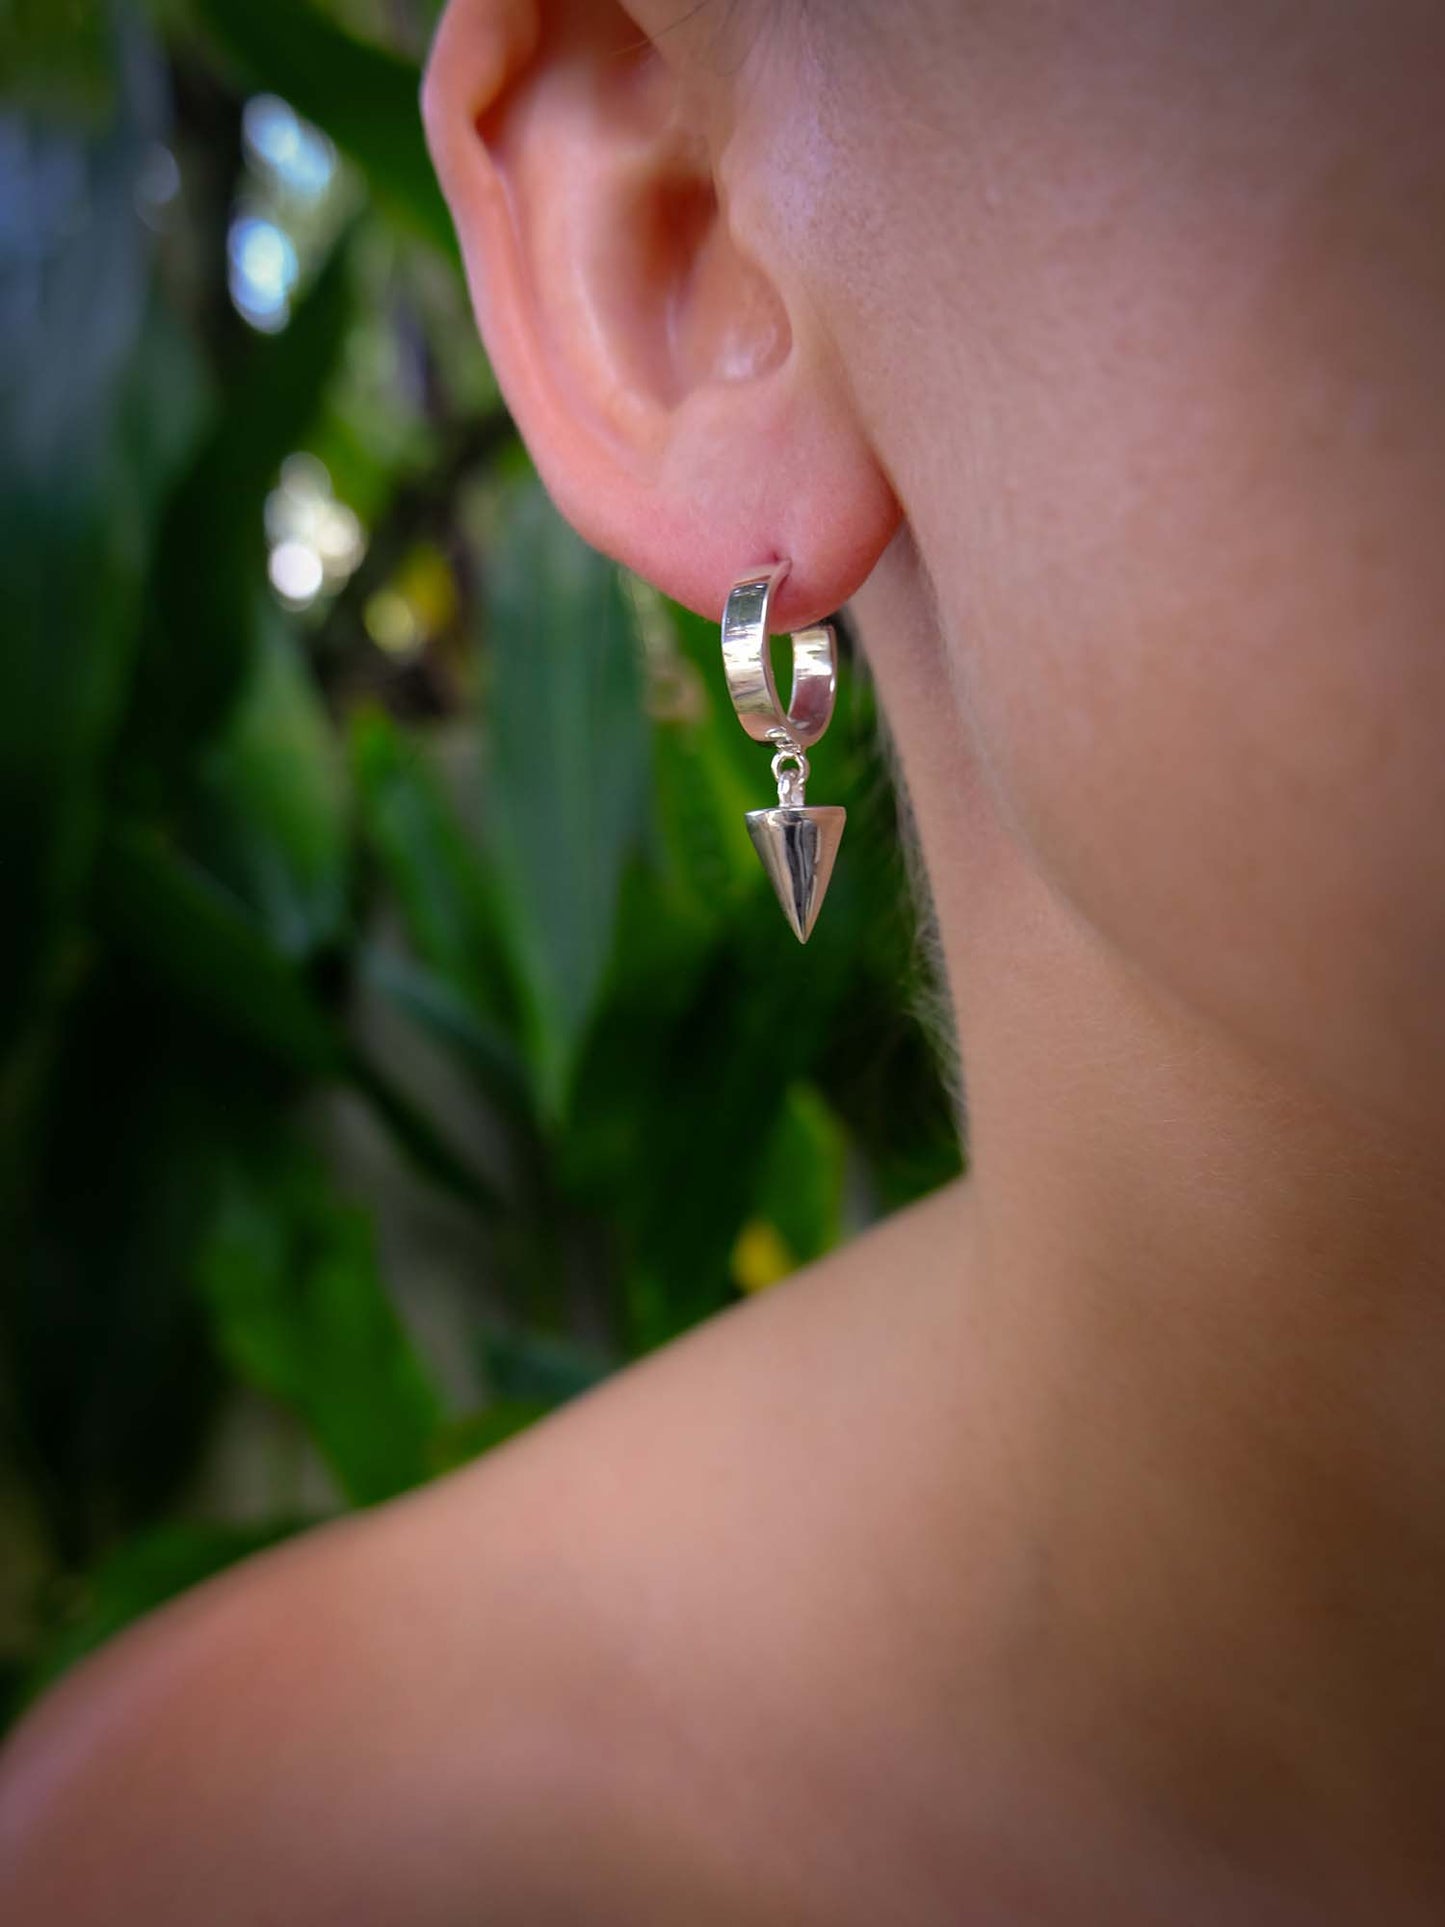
(882, 1078)
(209, 584)
(142, 1575)
(567, 753)
(190, 936)
(420, 1138)
(528, 1367)
(364, 98)
(801, 1194)
(75, 270)
(300, 1312)
(708, 860)
(435, 869)
(112, 1376)
(167, 405)
(272, 810)
(704, 780)
(464, 1439)
(59, 59)
(687, 1096)
(479, 1049)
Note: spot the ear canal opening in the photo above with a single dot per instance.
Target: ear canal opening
(681, 215)
(725, 322)
(682, 307)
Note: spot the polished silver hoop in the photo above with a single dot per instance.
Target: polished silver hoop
(749, 669)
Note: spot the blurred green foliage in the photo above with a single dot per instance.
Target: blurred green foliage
(448, 836)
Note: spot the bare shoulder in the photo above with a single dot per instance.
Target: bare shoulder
(569, 1682)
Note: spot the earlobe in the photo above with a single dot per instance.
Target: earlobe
(669, 378)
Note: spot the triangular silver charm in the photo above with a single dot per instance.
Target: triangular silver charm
(797, 847)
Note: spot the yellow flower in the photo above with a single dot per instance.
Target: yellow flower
(760, 1257)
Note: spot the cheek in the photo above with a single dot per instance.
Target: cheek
(1202, 639)
(1252, 818)
(1166, 417)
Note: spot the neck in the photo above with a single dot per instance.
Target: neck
(1215, 1302)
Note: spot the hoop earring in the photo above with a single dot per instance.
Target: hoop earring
(797, 843)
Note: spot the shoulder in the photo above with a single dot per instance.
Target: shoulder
(570, 1641)
(367, 1725)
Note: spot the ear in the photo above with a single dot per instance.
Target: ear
(670, 376)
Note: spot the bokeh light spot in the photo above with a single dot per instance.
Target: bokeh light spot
(279, 142)
(296, 573)
(263, 271)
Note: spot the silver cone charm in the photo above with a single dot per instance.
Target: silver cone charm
(798, 847)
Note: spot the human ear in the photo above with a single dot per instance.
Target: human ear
(676, 387)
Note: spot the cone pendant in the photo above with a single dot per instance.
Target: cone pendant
(797, 847)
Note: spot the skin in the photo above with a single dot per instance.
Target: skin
(1072, 1547)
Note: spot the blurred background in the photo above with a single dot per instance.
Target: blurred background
(398, 1033)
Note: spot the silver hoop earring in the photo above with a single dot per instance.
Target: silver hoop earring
(797, 843)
